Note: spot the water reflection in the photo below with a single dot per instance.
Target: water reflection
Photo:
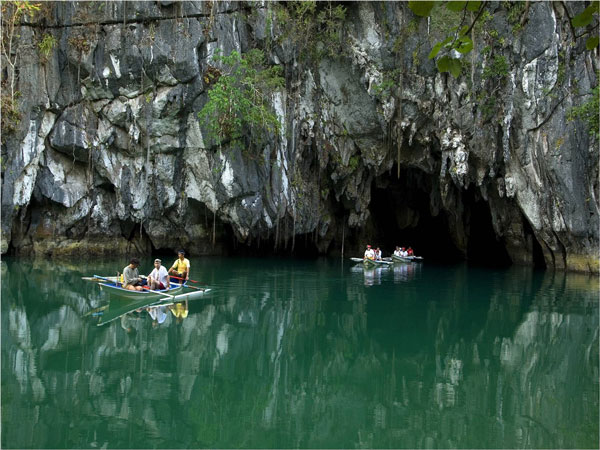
(301, 354)
(404, 272)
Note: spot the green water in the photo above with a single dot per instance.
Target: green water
(307, 354)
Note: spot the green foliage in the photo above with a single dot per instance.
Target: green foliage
(443, 21)
(46, 45)
(496, 69)
(514, 13)
(592, 42)
(238, 102)
(449, 21)
(11, 13)
(421, 8)
(584, 19)
(390, 80)
(448, 64)
(487, 105)
(588, 112)
(11, 116)
(314, 27)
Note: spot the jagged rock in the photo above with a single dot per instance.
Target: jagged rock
(110, 140)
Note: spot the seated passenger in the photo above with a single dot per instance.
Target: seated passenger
(369, 253)
(158, 278)
(181, 267)
(131, 276)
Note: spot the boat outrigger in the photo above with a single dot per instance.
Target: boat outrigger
(123, 301)
(371, 262)
(115, 288)
(405, 259)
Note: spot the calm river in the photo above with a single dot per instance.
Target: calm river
(307, 354)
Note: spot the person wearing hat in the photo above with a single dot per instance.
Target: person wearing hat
(159, 277)
(369, 253)
(131, 276)
(181, 267)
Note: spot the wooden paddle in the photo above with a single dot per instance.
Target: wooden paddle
(197, 288)
(179, 278)
(103, 278)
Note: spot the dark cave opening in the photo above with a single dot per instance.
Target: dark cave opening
(539, 262)
(484, 246)
(402, 214)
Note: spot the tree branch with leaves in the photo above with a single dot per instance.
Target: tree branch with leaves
(239, 99)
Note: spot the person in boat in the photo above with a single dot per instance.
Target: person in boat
(397, 251)
(159, 277)
(131, 276)
(369, 253)
(180, 310)
(181, 267)
(378, 254)
(409, 252)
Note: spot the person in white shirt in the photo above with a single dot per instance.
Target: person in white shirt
(397, 251)
(369, 253)
(159, 277)
(378, 254)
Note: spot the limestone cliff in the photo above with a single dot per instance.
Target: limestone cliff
(110, 155)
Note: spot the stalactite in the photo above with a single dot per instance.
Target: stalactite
(286, 233)
(399, 115)
(294, 229)
(214, 232)
(276, 235)
(343, 235)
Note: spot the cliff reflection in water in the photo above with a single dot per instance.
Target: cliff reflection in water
(287, 354)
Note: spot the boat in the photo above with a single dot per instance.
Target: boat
(406, 259)
(117, 290)
(371, 262)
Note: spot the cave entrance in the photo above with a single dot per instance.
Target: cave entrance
(484, 247)
(402, 214)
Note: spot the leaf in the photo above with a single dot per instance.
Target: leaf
(443, 64)
(465, 45)
(456, 6)
(473, 6)
(592, 43)
(452, 65)
(435, 50)
(455, 67)
(422, 9)
(463, 30)
(585, 18)
(447, 40)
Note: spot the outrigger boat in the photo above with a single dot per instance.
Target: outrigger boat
(405, 259)
(123, 301)
(115, 288)
(371, 262)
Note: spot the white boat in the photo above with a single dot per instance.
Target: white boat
(371, 262)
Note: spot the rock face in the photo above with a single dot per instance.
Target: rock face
(110, 155)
